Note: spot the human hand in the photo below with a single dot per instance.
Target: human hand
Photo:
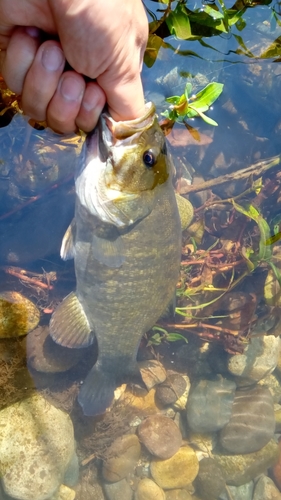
(101, 39)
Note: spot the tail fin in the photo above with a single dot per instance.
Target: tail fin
(97, 392)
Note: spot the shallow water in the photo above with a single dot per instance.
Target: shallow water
(228, 297)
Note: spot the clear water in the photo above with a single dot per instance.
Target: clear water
(229, 265)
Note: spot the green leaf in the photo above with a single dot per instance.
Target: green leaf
(208, 95)
(205, 118)
(173, 99)
(173, 337)
(178, 23)
(215, 14)
(153, 45)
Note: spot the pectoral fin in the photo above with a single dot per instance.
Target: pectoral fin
(69, 325)
(67, 246)
(108, 252)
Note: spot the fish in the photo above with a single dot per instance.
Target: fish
(125, 239)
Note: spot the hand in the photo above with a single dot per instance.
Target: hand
(101, 39)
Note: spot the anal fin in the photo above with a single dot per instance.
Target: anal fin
(97, 392)
(69, 325)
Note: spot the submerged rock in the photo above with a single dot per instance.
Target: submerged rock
(44, 355)
(258, 360)
(241, 469)
(160, 435)
(121, 458)
(179, 494)
(171, 390)
(266, 489)
(243, 492)
(152, 372)
(252, 421)
(116, 491)
(209, 404)
(18, 315)
(36, 447)
(210, 481)
(149, 490)
(177, 471)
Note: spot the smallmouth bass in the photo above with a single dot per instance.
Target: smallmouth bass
(126, 243)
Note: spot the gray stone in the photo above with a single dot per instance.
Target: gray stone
(265, 489)
(252, 421)
(243, 492)
(36, 447)
(71, 476)
(273, 385)
(118, 491)
(209, 404)
(171, 390)
(258, 360)
(241, 469)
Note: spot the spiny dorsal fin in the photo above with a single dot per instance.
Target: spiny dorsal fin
(69, 325)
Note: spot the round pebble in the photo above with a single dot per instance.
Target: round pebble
(160, 435)
(209, 404)
(149, 490)
(121, 458)
(210, 481)
(171, 390)
(36, 447)
(258, 360)
(252, 422)
(44, 355)
(177, 471)
(152, 372)
(178, 494)
(18, 315)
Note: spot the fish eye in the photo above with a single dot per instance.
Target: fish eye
(149, 158)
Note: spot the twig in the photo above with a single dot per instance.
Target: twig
(256, 170)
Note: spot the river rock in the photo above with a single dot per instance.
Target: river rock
(160, 435)
(241, 469)
(209, 404)
(273, 385)
(210, 481)
(118, 491)
(64, 493)
(44, 355)
(121, 458)
(179, 494)
(177, 471)
(265, 489)
(152, 372)
(258, 360)
(36, 447)
(18, 315)
(149, 490)
(252, 422)
(171, 390)
(243, 492)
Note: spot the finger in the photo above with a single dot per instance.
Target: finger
(65, 105)
(19, 57)
(91, 107)
(42, 79)
(125, 97)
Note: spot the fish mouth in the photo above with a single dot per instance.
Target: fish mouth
(112, 131)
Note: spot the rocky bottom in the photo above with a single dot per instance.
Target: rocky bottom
(205, 425)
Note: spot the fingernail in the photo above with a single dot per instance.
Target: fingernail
(70, 89)
(52, 58)
(32, 31)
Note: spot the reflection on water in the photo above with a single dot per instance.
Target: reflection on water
(206, 422)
